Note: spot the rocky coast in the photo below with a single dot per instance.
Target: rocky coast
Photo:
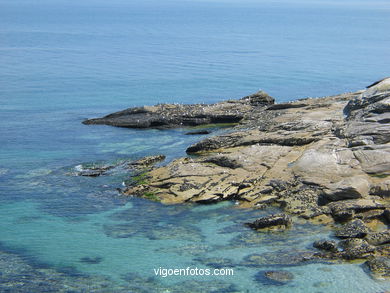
(324, 160)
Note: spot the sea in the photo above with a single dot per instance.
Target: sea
(63, 61)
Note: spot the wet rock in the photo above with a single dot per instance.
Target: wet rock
(199, 132)
(328, 245)
(379, 267)
(274, 277)
(353, 229)
(355, 248)
(147, 161)
(93, 171)
(278, 220)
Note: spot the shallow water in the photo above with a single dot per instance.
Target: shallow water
(64, 61)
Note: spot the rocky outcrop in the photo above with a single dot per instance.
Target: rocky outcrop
(178, 115)
(325, 159)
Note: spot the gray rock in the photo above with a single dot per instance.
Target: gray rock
(350, 188)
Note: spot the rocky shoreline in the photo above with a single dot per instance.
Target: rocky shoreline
(326, 160)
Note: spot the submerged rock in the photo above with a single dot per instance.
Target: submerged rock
(274, 277)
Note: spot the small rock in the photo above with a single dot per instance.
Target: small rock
(147, 161)
(328, 245)
(355, 248)
(199, 132)
(271, 221)
(354, 229)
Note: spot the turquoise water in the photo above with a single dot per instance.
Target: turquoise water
(64, 61)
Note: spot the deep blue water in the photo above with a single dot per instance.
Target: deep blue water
(64, 61)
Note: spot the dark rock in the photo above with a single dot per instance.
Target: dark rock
(91, 260)
(343, 215)
(328, 245)
(271, 221)
(274, 277)
(224, 161)
(354, 229)
(199, 132)
(371, 214)
(386, 215)
(379, 267)
(283, 106)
